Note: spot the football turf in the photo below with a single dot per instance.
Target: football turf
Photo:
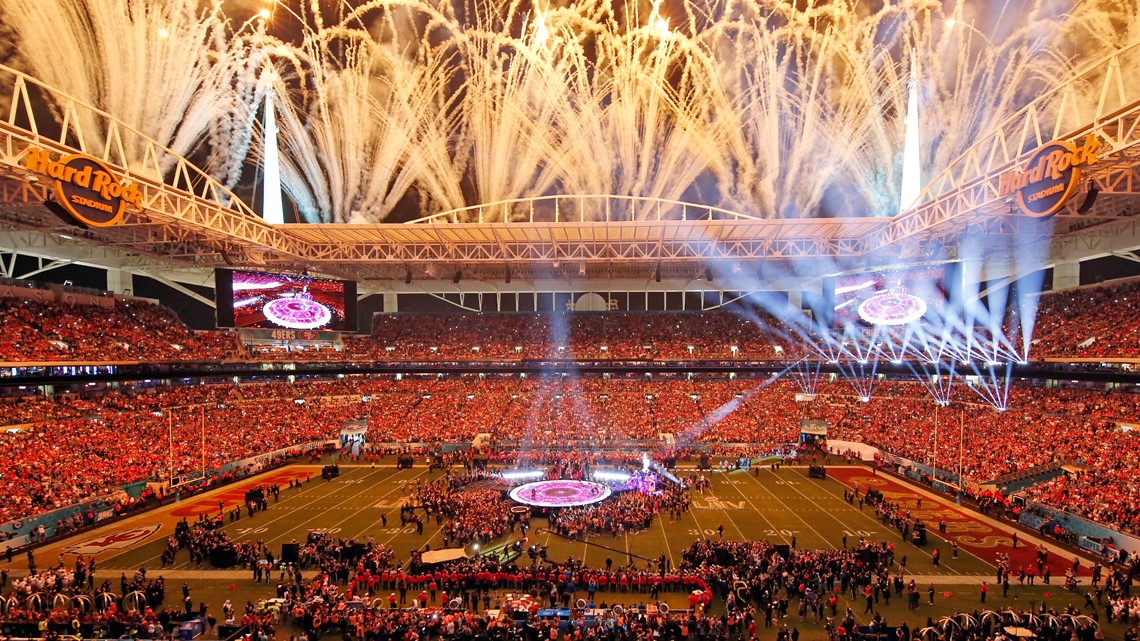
(782, 506)
(775, 505)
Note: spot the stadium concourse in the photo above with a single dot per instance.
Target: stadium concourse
(1027, 473)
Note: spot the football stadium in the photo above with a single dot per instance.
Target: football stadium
(609, 320)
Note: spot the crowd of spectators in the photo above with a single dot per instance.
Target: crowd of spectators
(63, 460)
(53, 464)
(62, 600)
(474, 514)
(446, 599)
(611, 336)
(1038, 426)
(760, 585)
(770, 587)
(204, 539)
(1089, 322)
(127, 330)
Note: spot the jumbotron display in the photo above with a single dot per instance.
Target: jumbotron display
(264, 300)
(560, 493)
(892, 297)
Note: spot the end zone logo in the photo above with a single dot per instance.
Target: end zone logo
(85, 186)
(1051, 176)
(120, 540)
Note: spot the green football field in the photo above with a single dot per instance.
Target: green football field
(775, 505)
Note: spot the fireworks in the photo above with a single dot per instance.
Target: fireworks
(767, 107)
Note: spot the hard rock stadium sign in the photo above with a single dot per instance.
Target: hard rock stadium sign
(1050, 177)
(85, 187)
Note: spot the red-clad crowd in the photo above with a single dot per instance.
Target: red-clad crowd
(57, 463)
(661, 336)
(1090, 322)
(128, 330)
(97, 442)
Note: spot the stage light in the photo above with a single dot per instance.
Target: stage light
(522, 474)
(457, 277)
(611, 476)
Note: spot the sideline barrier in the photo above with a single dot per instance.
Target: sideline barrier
(1083, 528)
(102, 508)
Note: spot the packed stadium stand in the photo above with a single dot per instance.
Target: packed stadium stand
(692, 275)
(1085, 323)
(900, 418)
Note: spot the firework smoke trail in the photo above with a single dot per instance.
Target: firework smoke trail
(158, 65)
(770, 107)
(365, 121)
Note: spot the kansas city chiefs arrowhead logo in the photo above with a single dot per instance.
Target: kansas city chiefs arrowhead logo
(115, 541)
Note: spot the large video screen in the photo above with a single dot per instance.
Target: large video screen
(896, 296)
(263, 300)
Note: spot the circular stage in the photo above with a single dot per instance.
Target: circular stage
(297, 313)
(560, 493)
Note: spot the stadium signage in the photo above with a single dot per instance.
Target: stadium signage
(1050, 177)
(85, 187)
(289, 335)
(295, 335)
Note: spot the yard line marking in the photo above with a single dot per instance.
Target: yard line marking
(382, 496)
(929, 531)
(732, 521)
(668, 547)
(315, 500)
(700, 531)
(781, 502)
(893, 530)
(766, 519)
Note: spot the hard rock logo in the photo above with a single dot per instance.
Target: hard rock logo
(1050, 177)
(85, 186)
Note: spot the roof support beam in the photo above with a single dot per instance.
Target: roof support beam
(178, 287)
(45, 268)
